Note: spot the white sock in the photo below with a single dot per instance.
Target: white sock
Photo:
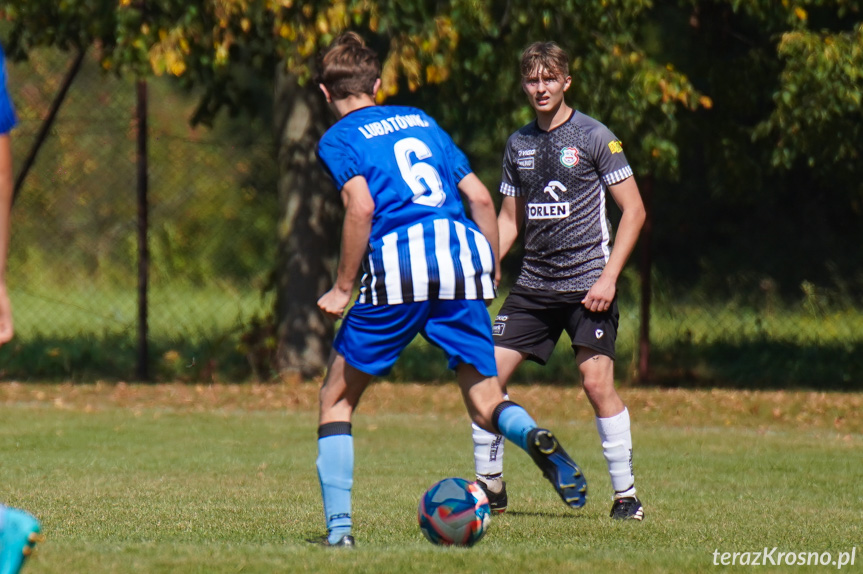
(617, 448)
(487, 455)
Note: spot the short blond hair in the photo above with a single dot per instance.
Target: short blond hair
(546, 55)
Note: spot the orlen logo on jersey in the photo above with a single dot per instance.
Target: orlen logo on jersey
(547, 210)
(569, 156)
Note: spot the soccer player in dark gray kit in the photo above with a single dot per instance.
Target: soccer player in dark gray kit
(556, 171)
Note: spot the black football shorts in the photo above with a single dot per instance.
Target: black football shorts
(532, 324)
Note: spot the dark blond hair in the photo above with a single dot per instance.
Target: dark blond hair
(546, 55)
(348, 67)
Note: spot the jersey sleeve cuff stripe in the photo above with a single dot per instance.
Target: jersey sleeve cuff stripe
(617, 176)
(511, 190)
(461, 172)
(343, 177)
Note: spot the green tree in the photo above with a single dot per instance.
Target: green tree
(773, 165)
(463, 53)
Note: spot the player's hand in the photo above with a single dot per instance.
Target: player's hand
(600, 296)
(334, 302)
(6, 329)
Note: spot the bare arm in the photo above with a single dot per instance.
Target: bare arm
(6, 187)
(356, 229)
(509, 221)
(627, 197)
(482, 212)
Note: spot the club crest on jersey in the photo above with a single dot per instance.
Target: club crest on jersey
(569, 156)
(599, 333)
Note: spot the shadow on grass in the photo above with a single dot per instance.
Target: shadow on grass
(556, 515)
(111, 357)
(750, 364)
(760, 364)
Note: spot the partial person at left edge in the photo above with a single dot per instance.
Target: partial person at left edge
(19, 531)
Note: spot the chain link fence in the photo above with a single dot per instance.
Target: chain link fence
(73, 267)
(73, 262)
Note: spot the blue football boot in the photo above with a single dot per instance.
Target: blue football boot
(19, 533)
(564, 475)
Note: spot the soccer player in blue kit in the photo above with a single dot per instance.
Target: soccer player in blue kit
(556, 172)
(427, 269)
(18, 530)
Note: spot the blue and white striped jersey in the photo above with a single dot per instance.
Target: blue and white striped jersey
(7, 113)
(422, 246)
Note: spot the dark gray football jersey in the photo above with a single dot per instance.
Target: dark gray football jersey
(563, 175)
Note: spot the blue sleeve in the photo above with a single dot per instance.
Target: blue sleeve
(337, 160)
(7, 112)
(456, 159)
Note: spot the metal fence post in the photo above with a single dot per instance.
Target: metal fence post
(143, 367)
(645, 265)
(49, 121)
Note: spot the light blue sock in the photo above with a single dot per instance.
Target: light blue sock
(514, 423)
(336, 473)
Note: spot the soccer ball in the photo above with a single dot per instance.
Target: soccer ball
(455, 512)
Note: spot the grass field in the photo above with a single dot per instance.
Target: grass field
(86, 333)
(89, 333)
(221, 478)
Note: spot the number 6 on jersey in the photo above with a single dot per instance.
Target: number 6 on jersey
(415, 174)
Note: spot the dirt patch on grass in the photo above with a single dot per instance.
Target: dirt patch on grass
(763, 410)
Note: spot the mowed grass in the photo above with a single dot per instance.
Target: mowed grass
(221, 478)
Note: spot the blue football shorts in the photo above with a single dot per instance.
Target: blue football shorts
(371, 337)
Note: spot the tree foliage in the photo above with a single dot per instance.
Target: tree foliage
(769, 192)
(729, 96)
(469, 48)
(817, 115)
